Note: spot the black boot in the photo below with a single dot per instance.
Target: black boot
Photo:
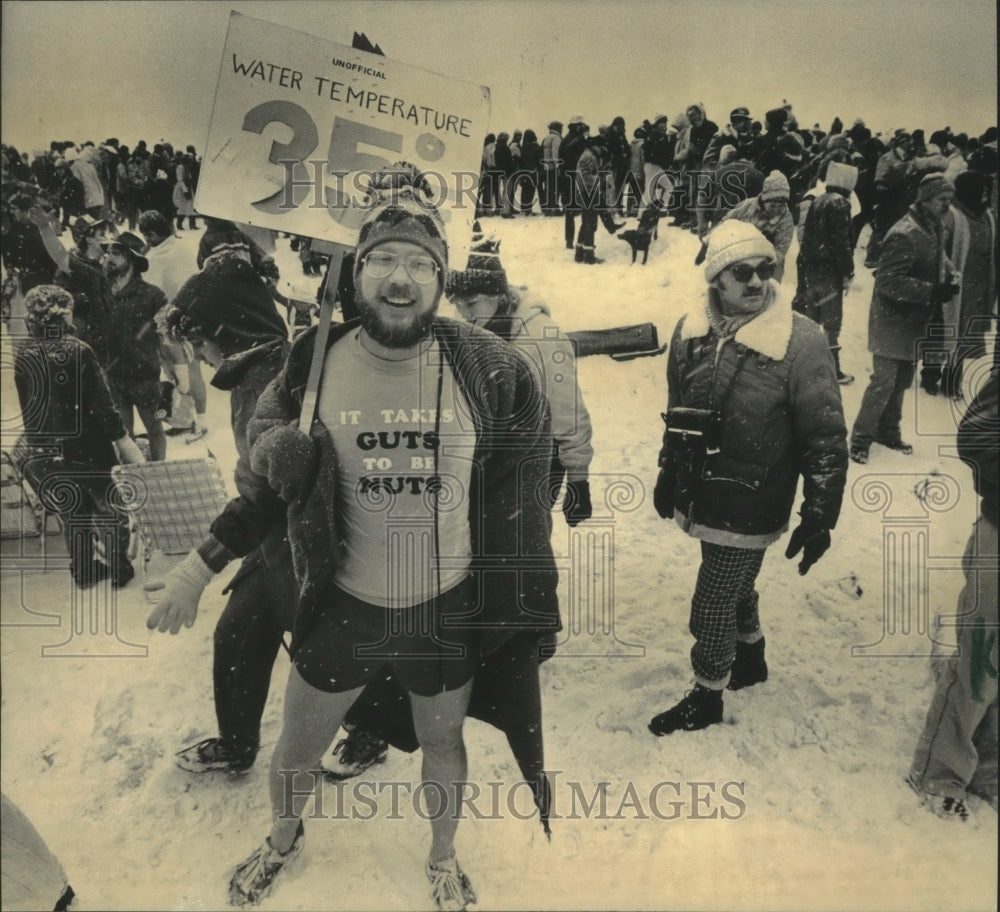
(579, 254)
(590, 257)
(700, 708)
(749, 667)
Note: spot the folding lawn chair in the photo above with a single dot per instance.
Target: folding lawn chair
(171, 504)
(23, 513)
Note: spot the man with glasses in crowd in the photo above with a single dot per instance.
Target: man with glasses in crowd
(429, 436)
(753, 403)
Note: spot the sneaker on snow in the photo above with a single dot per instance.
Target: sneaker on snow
(215, 755)
(700, 708)
(450, 887)
(252, 880)
(356, 753)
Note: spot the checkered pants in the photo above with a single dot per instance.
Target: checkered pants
(724, 605)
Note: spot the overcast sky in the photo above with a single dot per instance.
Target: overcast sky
(90, 70)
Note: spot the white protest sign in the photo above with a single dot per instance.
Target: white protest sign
(301, 123)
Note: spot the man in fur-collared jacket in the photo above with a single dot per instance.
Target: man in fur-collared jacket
(753, 403)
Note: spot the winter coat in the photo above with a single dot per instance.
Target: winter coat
(636, 160)
(658, 149)
(550, 148)
(970, 233)
(508, 520)
(504, 158)
(531, 156)
(79, 417)
(692, 143)
(121, 327)
(183, 194)
(827, 236)
(779, 231)
(776, 389)
(977, 445)
(571, 148)
(909, 264)
(534, 333)
(93, 188)
(744, 145)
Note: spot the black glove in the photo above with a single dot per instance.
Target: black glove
(812, 540)
(663, 495)
(557, 474)
(286, 457)
(576, 504)
(944, 291)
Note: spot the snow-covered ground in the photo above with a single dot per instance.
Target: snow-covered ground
(796, 802)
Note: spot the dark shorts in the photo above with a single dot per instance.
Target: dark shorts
(351, 640)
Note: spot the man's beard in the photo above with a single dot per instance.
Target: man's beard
(113, 272)
(395, 336)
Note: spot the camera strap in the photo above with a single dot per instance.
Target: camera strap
(719, 404)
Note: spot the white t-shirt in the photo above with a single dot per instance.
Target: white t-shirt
(405, 444)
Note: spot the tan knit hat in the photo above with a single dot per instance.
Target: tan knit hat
(731, 242)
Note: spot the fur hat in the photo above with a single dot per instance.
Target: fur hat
(47, 305)
(133, 245)
(400, 216)
(841, 176)
(731, 242)
(775, 187)
(932, 185)
(484, 273)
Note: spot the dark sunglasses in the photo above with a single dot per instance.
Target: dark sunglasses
(743, 273)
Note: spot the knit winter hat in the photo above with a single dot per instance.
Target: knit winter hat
(844, 177)
(400, 216)
(775, 186)
(932, 185)
(731, 242)
(484, 273)
(47, 305)
(556, 126)
(660, 118)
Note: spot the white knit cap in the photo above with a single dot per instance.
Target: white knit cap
(731, 242)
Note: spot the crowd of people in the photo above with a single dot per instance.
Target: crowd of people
(459, 434)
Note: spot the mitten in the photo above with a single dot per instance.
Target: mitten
(285, 456)
(576, 504)
(812, 540)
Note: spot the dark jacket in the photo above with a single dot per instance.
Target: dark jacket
(827, 239)
(658, 149)
(977, 443)
(66, 404)
(121, 326)
(908, 266)
(775, 387)
(508, 521)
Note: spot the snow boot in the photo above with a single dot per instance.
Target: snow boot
(749, 667)
(578, 258)
(590, 258)
(700, 708)
(252, 881)
(217, 755)
(450, 887)
(356, 753)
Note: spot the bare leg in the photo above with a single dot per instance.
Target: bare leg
(438, 722)
(311, 719)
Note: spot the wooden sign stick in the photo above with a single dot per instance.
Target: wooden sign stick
(330, 282)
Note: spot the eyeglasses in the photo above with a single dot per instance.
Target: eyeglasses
(419, 268)
(743, 273)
